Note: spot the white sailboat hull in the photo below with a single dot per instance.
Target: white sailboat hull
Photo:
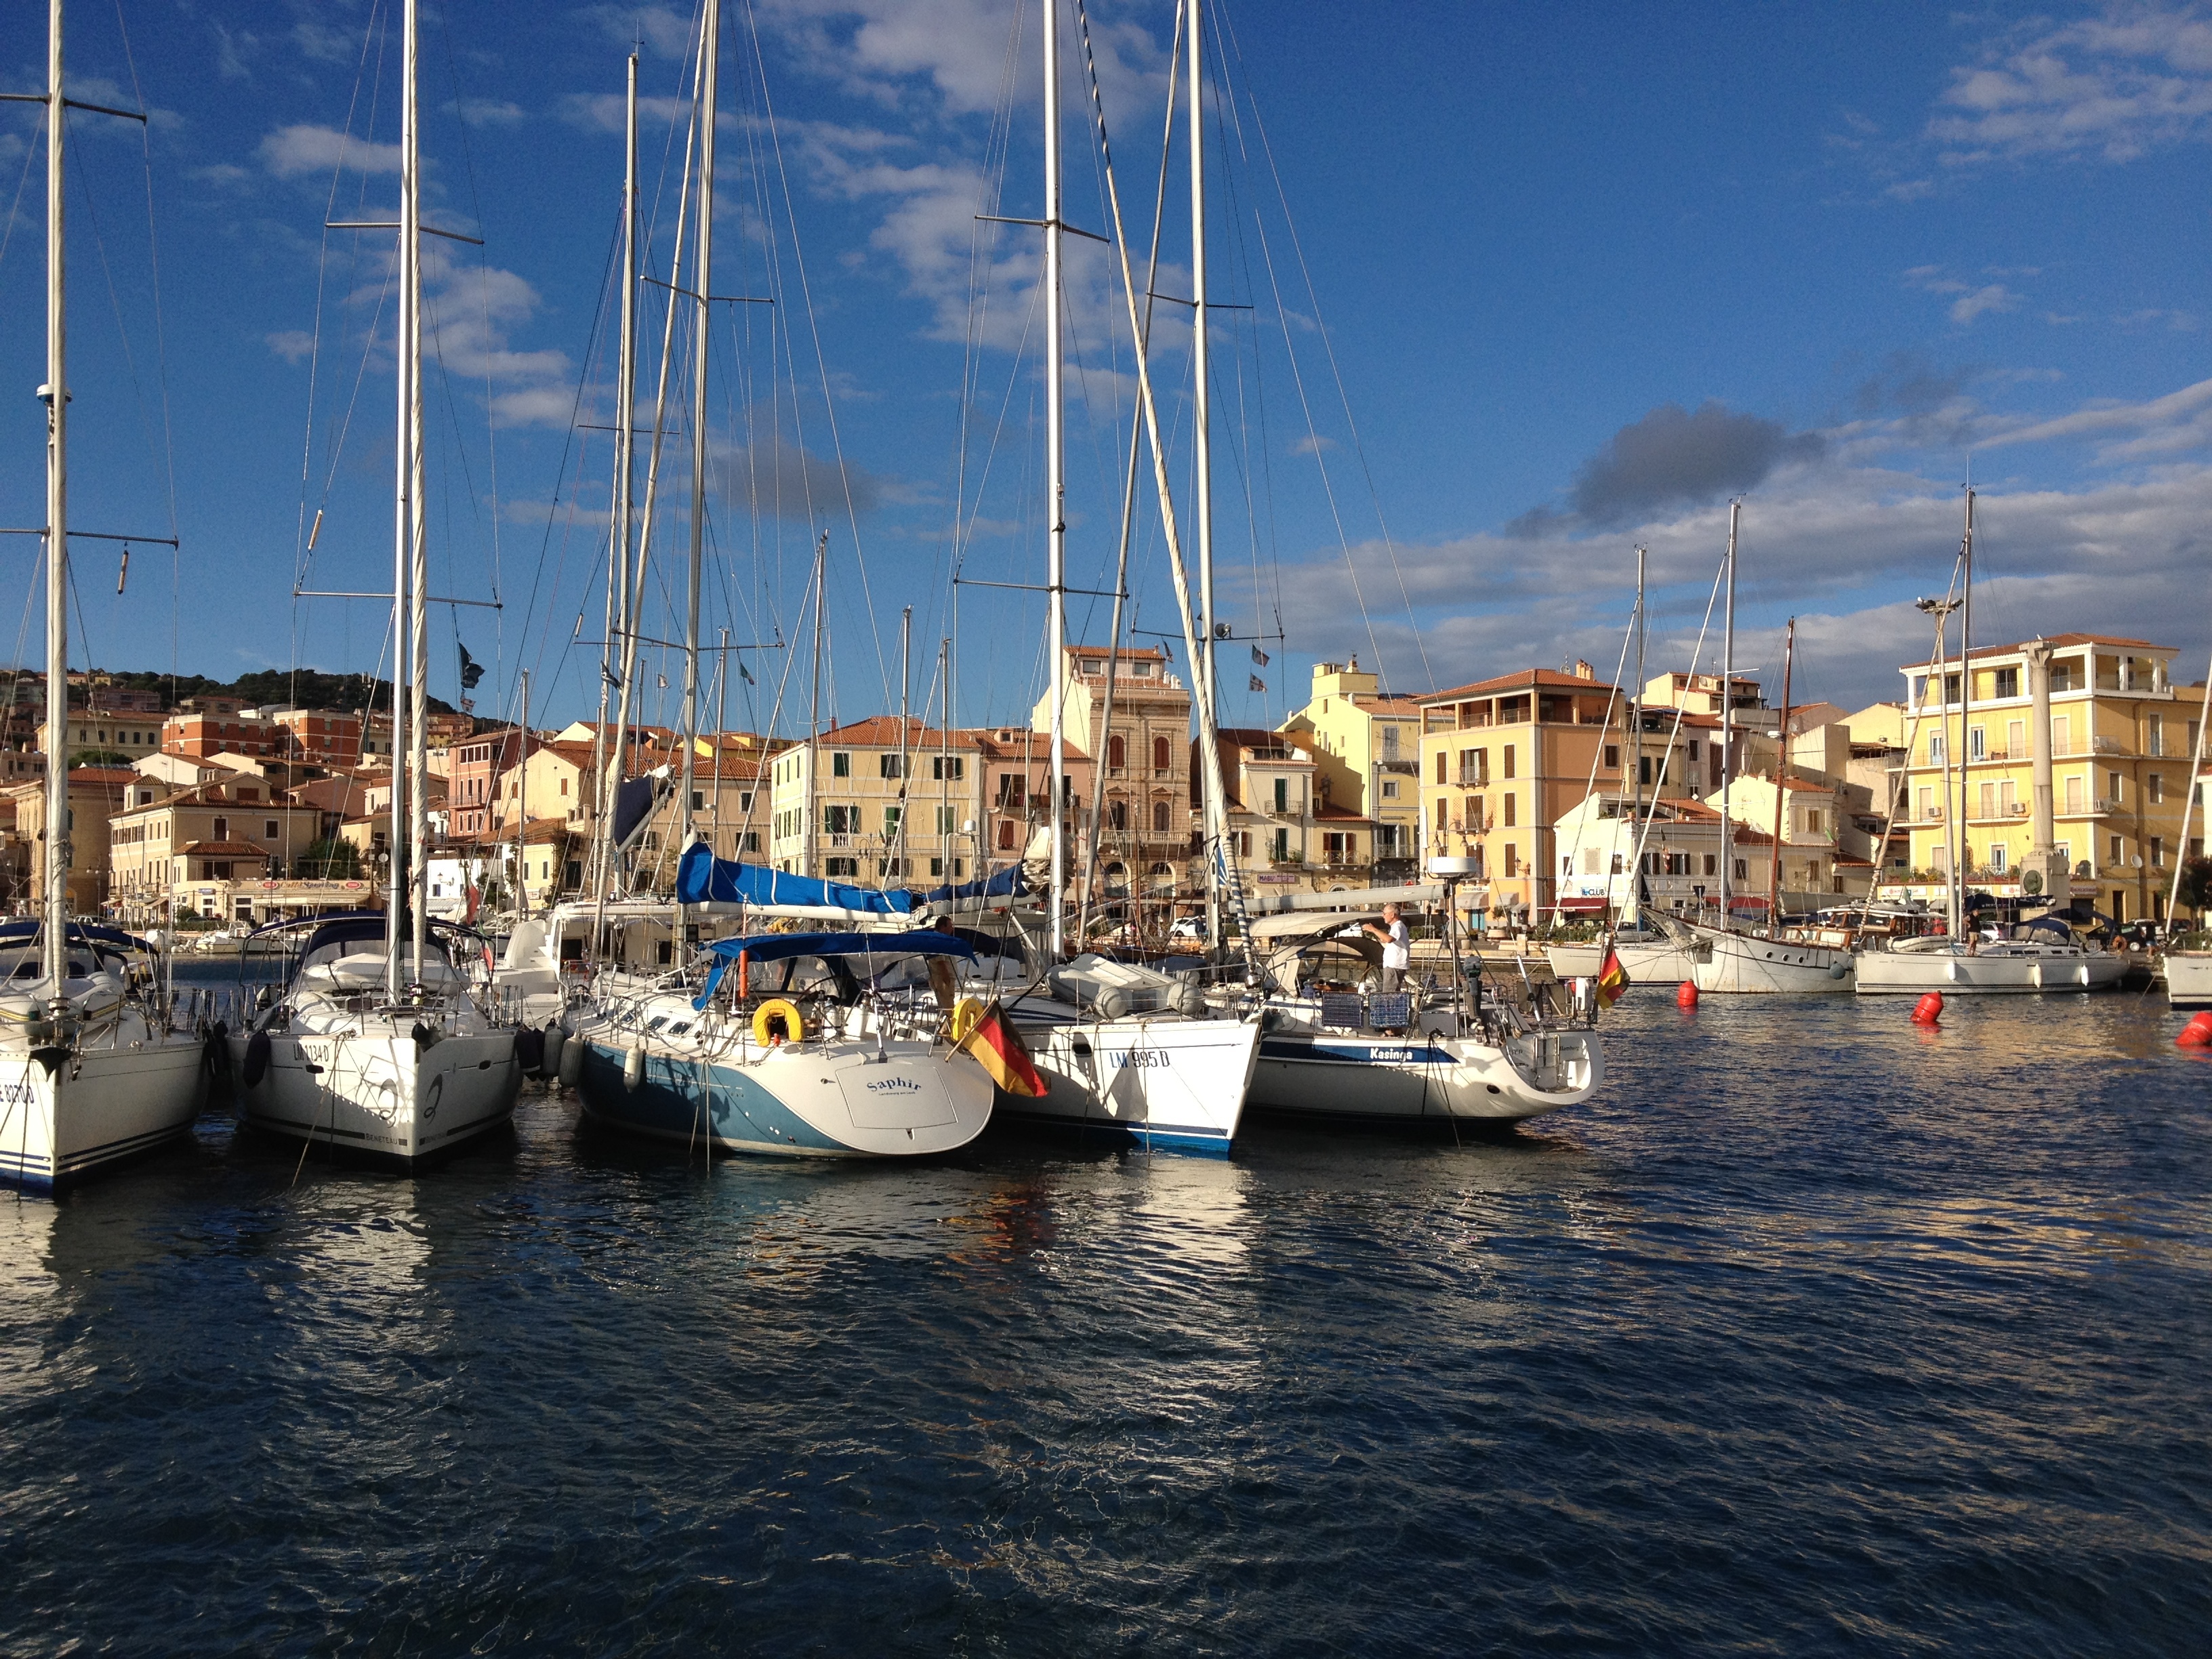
(1995, 972)
(1660, 962)
(1743, 964)
(96, 1108)
(1424, 1078)
(375, 1092)
(1168, 1081)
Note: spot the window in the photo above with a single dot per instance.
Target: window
(698, 800)
(1440, 817)
(841, 820)
(1012, 791)
(1005, 835)
(841, 765)
(564, 785)
(1998, 859)
(221, 827)
(271, 830)
(1693, 752)
(1934, 748)
(1920, 696)
(1510, 800)
(1389, 789)
(891, 815)
(1440, 766)
(2008, 681)
(2073, 791)
(1282, 794)
(889, 765)
(1613, 757)
(1643, 771)
(947, 819)
(2157, 851)
(1989, 800)
(1389, 743)
(849, 867)
(1117, 753)
(1160, 817)
(1282, 848)
(2016, 739)
(2155, 737)
(2062, 733)
(1509, 760)
(2116, 797)
(1741, 871)
(1163, 760)
(1977, 743)
(2115, 841)
(1512, 859)
(751, 843)
(2154, 788)
(948, 767)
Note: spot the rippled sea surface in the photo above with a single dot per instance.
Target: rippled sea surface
(1814, 1334)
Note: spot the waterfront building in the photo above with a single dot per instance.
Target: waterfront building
(1826, 855)
(320, 737)
(208, 849)
(2119, 744)
(473, 783)
(1365, 746)
(105, 739)
(198, 733)
(1502, 759)
(729, 811)
(1275, 826)
(896, 801)
(93, 793)
(1600, 842)
(1144, 835)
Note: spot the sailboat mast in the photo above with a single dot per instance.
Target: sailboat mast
(1201, 435)
(418, 587)
(57, 395)
(1636, 755)
(1728, 710)
(809, 865)
(1965, 700)
(701, 339)
(1781, 788)
(407, 368)
(1054, 463)
(621, 624)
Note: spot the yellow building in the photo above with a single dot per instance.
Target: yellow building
(1501, 760)
(95, 731)
(1366, 751)
(2120, 747)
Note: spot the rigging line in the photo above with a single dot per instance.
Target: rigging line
(1329, 346)
(154, 261)
(822, 361)
(1674, 732)
(1597, 749)
(16, 207)
(345, 426)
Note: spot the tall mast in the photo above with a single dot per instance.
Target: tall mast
(703, 274)
(807, 861)
(1781, 788)
(522, 810)
(56, 392)
(1054, 466)
(621, 624)
(1202, 435)
(1727, 709)
(895, 845)
(1636, 755)
(1966, 699)
(402, 920)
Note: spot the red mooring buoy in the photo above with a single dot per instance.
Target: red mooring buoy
(1685, 994)
(2198, 1033)
(1928, 1011)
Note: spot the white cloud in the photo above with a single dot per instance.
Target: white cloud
(1995, 296)
(490, 112)
(290, 152)
(292, 345)
(2134, 78)
(2179, 420)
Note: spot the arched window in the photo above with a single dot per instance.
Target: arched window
(1117, 814)
(1117, 753)
(1160, 817)
(1160, 761)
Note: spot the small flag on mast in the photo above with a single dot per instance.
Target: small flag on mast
(1257, 684)
(472, 670)
(1258, 656)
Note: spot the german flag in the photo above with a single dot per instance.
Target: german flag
(1612, 979)
(1000, 1050)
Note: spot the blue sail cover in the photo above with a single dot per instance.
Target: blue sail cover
(702, 878)
(774, 947)
(1007, 883)
(634, 803)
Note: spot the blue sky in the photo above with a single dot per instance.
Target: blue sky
(1528, 287)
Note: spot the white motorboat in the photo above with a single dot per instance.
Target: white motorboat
(1332, 1046)
(2188, 978)
(94, 1075)
(795, 1046)
(336, 1059)
(1985, 968)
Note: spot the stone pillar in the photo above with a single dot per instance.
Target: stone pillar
(2042, 857)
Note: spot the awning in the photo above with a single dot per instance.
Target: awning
(1582, 902)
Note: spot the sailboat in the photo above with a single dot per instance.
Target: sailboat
(1119, 1046)
(91, 1072)
(377, 1044)
(1956, 963)
(1724, 958)
(813, 1045)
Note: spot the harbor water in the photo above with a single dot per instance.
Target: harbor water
(1817, 1333)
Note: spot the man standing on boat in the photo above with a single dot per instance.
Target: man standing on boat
(1397, 948)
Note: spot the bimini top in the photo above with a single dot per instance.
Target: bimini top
(88, 933)
(774, 947)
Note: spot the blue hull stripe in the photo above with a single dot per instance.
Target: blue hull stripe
(1177, 1137)
(665, 1105)
(34, 1173)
